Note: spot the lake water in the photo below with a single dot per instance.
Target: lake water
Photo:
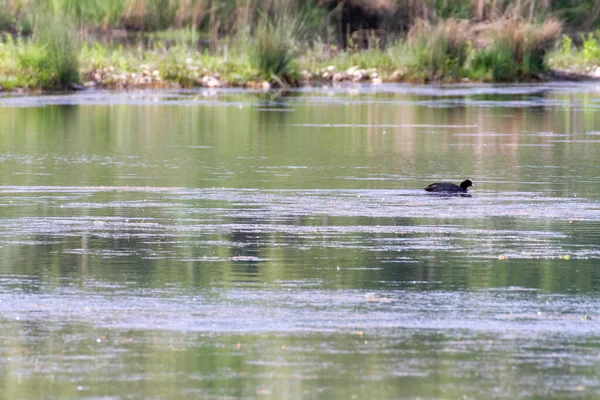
(234, 244)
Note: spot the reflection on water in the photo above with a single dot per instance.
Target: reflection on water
(234, 244)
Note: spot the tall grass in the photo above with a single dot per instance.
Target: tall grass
(515, 49)
(225, 17)
(506, 50)
(273, 47)
(576, 13)
(437, 51)
(53, 54)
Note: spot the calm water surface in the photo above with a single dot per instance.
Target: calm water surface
(233, 244)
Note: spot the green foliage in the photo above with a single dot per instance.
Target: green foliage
(180, 63)
(567, 56)
(176, 66)
(496, 63)
(506, 50)
(567, 45)
(436, 52)
(11, 74)
(515, 50)
(49, 60)
(564, 55)
(55, 54)
(591, 47)
(98, 56)
(273, 47)
(35, 63)
(439, 58)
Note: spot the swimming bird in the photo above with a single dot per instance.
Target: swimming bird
(446, 187)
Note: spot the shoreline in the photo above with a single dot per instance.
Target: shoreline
(451, 51)
(152, 80)
(148, 44)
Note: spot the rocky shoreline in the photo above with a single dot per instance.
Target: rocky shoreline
(110, 78)
(150, 78)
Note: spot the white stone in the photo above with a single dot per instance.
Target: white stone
(210, 81)
(338, 77)
(397, 75)
(359, 75)
(213, 83)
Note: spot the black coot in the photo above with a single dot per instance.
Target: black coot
(450, 187)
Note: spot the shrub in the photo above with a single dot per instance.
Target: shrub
(173, 66)
(496, 63)
(437, 51)
(514, 49)
(274, 46)
(55, 54)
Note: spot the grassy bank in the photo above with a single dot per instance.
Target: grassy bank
(448, 51)
(582, 59)
(281, 46)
